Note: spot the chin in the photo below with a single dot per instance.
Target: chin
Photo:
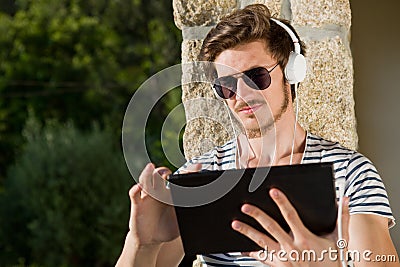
(253, 128)
(252, 122)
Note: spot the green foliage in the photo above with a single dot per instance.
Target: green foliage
(65, 201)
(156, 146)
(78, 60)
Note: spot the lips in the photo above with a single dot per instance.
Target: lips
(249, 109)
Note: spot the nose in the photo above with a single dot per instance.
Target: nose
(242, 89)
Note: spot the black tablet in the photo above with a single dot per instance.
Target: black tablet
(206, 229)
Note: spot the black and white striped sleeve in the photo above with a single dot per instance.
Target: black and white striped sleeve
(365, 188)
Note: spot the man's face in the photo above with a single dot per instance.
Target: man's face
(257, 110)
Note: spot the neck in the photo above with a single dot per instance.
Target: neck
(285, 136)
(261, 150)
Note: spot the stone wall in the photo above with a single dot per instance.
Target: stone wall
(326, 95)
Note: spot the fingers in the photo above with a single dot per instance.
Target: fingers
(160, 176)
(152, 179)
(146, 178)
(259, 238)
(269, 224)
(345, 218)
(163, 172)
(289, 213)
(192, 168)
(134, 193)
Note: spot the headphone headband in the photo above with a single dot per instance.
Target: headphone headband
(291, 34)
(295, 70)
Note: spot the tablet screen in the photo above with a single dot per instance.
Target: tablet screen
(206, 229)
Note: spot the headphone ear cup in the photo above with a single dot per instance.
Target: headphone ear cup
(296, 68)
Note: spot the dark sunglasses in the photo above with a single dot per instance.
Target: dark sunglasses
(257, 78)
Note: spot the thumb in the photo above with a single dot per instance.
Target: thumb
(345, 218)
(134, 194)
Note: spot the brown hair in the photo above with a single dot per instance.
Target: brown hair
(246, 25)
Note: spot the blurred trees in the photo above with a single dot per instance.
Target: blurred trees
(66, 201)
(79, 60)
(73, 64)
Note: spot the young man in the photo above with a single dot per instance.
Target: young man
(249, 41)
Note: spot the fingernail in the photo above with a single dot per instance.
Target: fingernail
(162, 172)
(149, 165)
(246, 208)
(346, 201)
(274, 193)
(235, 225)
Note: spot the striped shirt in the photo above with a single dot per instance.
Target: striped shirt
(363, 184)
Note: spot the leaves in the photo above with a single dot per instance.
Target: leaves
(78, 60)
(65, 66)
(70, 190)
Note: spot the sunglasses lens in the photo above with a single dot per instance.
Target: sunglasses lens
(259, 78)
(225, 87)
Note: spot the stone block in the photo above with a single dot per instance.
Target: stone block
(326, 96)
(191, 13)
(191, 50)
(273, 5)
(208, 125)
(201, 135)
(316, 13)
(195, 90)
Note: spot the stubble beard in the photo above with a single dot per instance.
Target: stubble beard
(269, 125)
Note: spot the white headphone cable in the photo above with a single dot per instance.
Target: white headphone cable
(295, 124)
(341, 184)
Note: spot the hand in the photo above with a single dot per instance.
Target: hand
(152, 222)
(299, 240)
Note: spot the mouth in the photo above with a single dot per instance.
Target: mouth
(249, 109)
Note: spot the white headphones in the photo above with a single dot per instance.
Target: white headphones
(296, 66)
